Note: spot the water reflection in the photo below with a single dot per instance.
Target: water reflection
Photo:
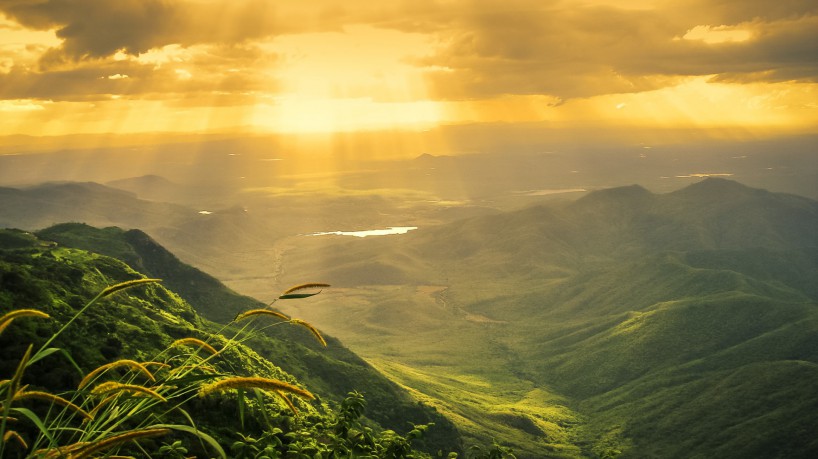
(365, 233)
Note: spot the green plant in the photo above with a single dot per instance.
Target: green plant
(126, 406)
(102, 415)
(495, 451)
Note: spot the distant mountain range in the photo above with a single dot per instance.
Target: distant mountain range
(677, 325)
(620, 324)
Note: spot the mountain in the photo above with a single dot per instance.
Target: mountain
(151, 187)
(44, 205)
(49, 272)
(623, 324)
(213, 238)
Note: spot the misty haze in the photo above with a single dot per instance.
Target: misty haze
(379, 229)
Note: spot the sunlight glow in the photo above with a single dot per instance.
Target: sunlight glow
(20, 105)
(299, 114)
(718, 34)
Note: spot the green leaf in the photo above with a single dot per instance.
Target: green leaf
(294, 296)
(192, 430)
(37, 422)
(42, 354)
(241, 407)
(71, 359)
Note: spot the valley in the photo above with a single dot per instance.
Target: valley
(247, 229)
(595, 322)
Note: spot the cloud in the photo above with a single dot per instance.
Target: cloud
(476, 49)
(99, 28)
(497, 48)
(205, 74)
(736, 11)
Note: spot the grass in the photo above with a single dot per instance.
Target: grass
(446, 361)
(179, 381)
(122, 404)
(532, 421)
(582, 333)
(106, 428)
(332, 371)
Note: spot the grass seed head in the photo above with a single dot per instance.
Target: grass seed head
(304, 287)
(133, 365)
(113, 387)
(6, 319)
(241, 382)
(39, 395)
(10, 434)
(88, 449)
(260, 312)
(195, 342)
(126, 285)
(312, 330)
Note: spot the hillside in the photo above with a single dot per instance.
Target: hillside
(652, 325)
(58, 279)
(625, 323)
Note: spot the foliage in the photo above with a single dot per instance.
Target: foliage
(170, 403)
(332, 371)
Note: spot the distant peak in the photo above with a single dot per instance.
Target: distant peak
(148, 179)
(632, 196)
(430, 157)
(620, 192)
(712, 185)
(77, 186)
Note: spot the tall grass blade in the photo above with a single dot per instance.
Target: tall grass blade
(37, 422)
(304, 287)
(295, 296)
(194, 431)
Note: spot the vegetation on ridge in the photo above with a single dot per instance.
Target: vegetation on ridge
(177, 391)
(332, 371)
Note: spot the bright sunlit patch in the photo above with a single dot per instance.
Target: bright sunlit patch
(718, 34)
(20, 105)
(705, 175)
(161, 56)
(550, 192)
(12, 33)
(702, 102)
(183, 74)
(306, 115)
(362, 61)
(362, 82)
(367, 233)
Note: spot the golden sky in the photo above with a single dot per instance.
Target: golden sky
(102, 66)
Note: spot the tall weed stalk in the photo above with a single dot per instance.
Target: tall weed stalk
(125, 401)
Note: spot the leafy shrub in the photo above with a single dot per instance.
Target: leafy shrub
(127, 407)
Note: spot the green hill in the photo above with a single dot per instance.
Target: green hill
(622, 324)
(667, 325)
(37, 272)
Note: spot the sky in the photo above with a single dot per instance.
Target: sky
(325, 66)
